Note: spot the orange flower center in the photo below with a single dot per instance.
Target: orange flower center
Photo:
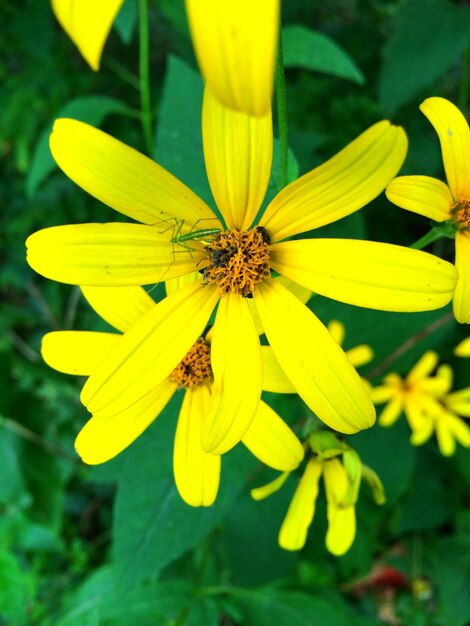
(461, 214)
(238, 261)
(195, 368)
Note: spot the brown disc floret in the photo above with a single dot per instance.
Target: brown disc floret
(195, 368)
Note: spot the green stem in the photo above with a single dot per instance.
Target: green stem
(464, 90)
(122, 73)
(144, 76)
(281, 102)
(433, 235)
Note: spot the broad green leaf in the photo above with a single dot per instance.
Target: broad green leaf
(90, 109)
(428, 38)
(126, 21)
(152, 525)
(13, 591)
(303, 47)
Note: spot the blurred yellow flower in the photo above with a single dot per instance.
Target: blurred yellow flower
(427, 404)
(236, 266)
(342, 473)
(87, 23)
(101, 439)
(432, 198)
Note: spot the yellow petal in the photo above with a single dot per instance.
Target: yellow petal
(260, 493)
(342, 185)
(459, 402)
(87, 23)
(149, 351)
(274, 378)
(463, 348)
(341, 519)
(293, 533)
(76, 352)
(391, 412)
(236, 366)
(445, 438)
(423, 367)
(312, 360)
(460, 430)
(197, 473)
(360, 355)
(107, 255)
(462, 291)
(422, 194)
(174, 284)
(381, 394)
(121, 307)
(238, 150)
(272, 441)
(367, 273)
(454, 135)
(102, 439)
(126, 180)
(235, 44)
(337, 331)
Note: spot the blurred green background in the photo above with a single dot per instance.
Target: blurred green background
(114, 545)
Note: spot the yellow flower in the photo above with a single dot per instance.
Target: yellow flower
(432, 198)
(87, 23)
(427, 403)
(196, 472)
(342, 479)
(235, 43)
(463, 348)
(236, 266)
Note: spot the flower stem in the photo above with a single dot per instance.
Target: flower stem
(433, 235)
(144, 76)
(281, 103)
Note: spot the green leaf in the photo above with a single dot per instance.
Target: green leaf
(126, 20)
(428, 38)
(306, 48)
(179, 138)
(13, 591)
(152, 525)
(90, 109)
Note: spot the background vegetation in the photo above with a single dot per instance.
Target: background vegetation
(114, 545)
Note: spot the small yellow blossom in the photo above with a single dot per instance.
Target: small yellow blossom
(196, 472)
(432, 198)
(87, 23)
(342, 473)
(427, 404)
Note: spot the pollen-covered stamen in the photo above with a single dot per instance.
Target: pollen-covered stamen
(461, 213)
(195, 368)
(238, 261)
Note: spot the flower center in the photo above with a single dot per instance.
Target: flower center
(461, 213)
(238, 261)
(195, 368)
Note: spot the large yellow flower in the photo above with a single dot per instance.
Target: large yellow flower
(432, 198)
(87, 23)
(236, 266)
(342, 473)
(427, 404)
(196, 472)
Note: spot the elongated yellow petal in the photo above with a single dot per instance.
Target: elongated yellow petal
(77, 352)
(107, 255)
(126, 180)
(459, 402)
(102, 439)
(381, 394)
(174, 284)
(312, 360)
(460, 430)
(238, 150)
(87, 23)
(422, 194)
(121, 307)
(360, 355)
(341, 519)
(149, 351)
(423, 367)
(463, 348)
(462, 263)
(197, 473)
(337, 331)
(293, 533)
(342, 185)
(367, 273)
(236, 365)
(454, 135)
(235, 44)
(274, 378)
(445, 438)
(272, 441)
(391, 412)
(260, 493)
